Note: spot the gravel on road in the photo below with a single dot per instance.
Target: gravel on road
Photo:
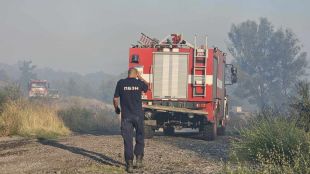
(95, 153)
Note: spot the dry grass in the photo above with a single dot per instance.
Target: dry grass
(21, 117)
(52, 118)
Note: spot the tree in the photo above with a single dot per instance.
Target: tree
(270, 61)
(72, 88)
(107, 87)
(26, 68)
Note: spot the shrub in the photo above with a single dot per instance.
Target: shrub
(301, 105)
(9, 92)
(274, 144)
(80, 119)
(3, 99)
(13, 92)
(77, 119)
(23, 118)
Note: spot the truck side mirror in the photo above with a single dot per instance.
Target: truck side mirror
(234, 77)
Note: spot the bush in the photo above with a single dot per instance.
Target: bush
(10, 92)
(3, 99)
(272, 144)
(80, 119)
(77, 119)
(23, 118)
(301, 105)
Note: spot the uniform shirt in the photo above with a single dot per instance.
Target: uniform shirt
(129, 90)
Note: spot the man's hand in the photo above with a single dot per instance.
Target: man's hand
(115, 103)
(117, 110)
(144, 81)
(139, 76)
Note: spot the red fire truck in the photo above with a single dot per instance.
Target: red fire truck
(38, 88)
(187, 85)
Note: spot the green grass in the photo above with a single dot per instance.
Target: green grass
(270, 143)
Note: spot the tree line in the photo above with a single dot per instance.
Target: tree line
(270, 61)
(97, 85)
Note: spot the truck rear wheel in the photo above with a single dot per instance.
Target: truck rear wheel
(169, 131)
(221, 131)
(208, 131)
(221, 128)
(148, 132)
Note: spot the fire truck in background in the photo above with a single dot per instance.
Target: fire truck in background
(187, 85)
(41, 89)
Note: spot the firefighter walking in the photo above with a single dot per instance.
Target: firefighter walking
(128, 93)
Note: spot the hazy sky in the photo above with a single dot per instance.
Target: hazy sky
(94, 35)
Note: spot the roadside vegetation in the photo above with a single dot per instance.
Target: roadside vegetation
(18, 116)
(44, 118)
(273, 142)
(88, 115)
(23, 118)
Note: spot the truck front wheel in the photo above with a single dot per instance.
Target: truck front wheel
(169, 130)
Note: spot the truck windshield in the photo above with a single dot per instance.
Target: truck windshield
(38, 85)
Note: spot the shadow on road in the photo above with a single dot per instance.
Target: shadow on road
(98, 132)
(77, 150)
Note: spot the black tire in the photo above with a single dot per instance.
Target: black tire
(169, 131)
(148, 132)
(208, 131)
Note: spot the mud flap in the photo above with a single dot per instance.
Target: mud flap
(149, 128)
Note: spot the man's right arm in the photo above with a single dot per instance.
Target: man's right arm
(145, 83)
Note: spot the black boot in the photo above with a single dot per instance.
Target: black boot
(129, 166)
(139, 160)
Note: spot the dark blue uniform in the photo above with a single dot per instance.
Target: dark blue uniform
(129, 90)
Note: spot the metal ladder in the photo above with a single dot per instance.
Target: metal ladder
(201, 68)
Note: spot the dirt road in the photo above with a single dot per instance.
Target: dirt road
(91, 153)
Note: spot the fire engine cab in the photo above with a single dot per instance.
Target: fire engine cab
(187, 85)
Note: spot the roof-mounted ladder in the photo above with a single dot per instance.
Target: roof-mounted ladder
(200, 70)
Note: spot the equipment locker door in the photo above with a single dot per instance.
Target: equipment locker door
(170, 75)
